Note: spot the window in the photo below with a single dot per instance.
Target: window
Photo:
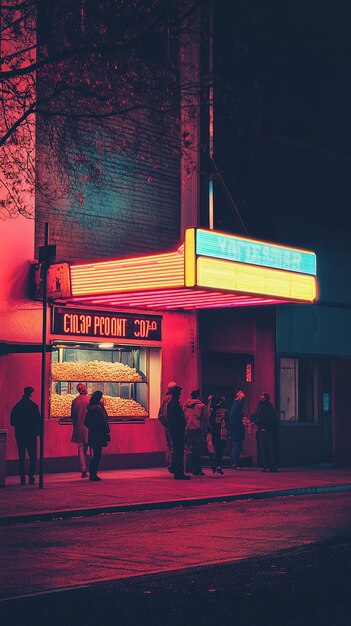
(299, 389)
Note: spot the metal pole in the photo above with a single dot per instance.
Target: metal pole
(43, 355)
(211, 119)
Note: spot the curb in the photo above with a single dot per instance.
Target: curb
(168, 504)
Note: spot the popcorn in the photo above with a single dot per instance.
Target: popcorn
(115, 406)
(95, 371)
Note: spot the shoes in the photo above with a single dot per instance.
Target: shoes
(219, 471)
(31, 480)
(169, 467)
(23, 481)
(264, 469)
(95, 478)
(199, 473)
(237, 467)
(184, 477)
(213, 469)
(84, 474)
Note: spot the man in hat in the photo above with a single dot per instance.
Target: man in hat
(80, 432)
(176, 424)
(27, 421)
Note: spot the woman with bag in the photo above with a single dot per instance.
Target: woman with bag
(219, 425)
(96, 421)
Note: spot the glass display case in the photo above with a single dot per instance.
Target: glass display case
(120, 372)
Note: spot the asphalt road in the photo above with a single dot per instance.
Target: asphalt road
(283, 561)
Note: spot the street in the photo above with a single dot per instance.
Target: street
(260, 561)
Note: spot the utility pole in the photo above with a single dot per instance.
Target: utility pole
(46, 256)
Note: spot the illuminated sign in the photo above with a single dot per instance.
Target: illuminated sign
(105, 324)
(252, 252)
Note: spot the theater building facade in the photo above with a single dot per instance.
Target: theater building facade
(143, 291)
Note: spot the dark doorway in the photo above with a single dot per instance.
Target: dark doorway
(225, 373)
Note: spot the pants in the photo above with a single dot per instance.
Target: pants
(196, 460)
(178, 454)
(236, 450)
(94, 463)
(266, 443)
(168, 446)
(218, 444)
(82, 456)
(29, 443)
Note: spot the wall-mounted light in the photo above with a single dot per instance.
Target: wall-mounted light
(106, 346)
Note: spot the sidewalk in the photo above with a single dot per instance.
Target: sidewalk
(68, 495)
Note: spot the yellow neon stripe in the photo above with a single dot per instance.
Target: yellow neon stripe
(219, 274)
(189, 258)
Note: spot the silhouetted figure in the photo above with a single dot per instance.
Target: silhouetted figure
(266, 420)
(27, 421)
(237, 428)
(219, 426)
(176, 422)
(80, 432)
(196, 418)
(96, 421)
(163, 417)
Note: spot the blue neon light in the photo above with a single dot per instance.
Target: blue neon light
(231, 248)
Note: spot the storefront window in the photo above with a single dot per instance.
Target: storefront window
(120, 372)
(299, 389)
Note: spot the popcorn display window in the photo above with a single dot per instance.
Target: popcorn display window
(120, 372)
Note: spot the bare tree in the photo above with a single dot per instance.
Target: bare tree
(77, 78)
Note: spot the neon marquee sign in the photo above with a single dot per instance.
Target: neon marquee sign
(105, 324)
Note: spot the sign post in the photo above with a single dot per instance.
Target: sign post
(46, 256)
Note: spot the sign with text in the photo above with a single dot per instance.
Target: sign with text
(105, 324)
(252, 252)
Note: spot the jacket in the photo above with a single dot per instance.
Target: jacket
(26, 418)
(176, 418)
(265, 416)
(78, 411)
(97, 425)
(220, 416)
(195, 413)
(236, 426)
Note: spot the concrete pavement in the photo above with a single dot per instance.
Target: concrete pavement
(68, 495)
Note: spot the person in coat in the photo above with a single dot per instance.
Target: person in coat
(96, 421)
(237, 428)
(27, 421)
(196, 425)
(80, 432)
(163, 418)
(176, 421)
(218, 416)
(266, 420)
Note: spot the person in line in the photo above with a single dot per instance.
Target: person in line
(266, 420)
(237, 428)
(163, 418)
(27, 421)
(96, 421)
(176, 422)
(196, 425)
(80, 432)
(219, 425)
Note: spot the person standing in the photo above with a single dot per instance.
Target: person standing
(80, 432)
(237, 428)
(96, 421)
(27, 421)
(266, 420)
(163, 418)
(219, 430)
(196, 424)
(176, 422)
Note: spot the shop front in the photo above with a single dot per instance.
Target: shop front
(203, 315)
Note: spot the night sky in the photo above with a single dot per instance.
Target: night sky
(282, 107)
